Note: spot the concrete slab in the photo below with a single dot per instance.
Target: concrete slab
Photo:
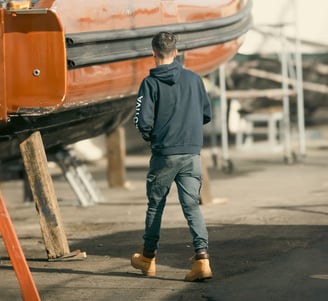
(268, 235)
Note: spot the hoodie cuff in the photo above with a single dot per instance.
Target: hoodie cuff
(146, 137)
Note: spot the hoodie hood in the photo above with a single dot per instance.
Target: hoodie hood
(168, 74)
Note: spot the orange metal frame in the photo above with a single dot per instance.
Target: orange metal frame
(24, 276)
(32, 60)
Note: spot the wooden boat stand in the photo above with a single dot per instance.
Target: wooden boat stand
(42, 188)
(51, 226)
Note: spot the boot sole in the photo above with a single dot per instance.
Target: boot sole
(199, 277)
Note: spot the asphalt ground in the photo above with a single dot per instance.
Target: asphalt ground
(268, 229)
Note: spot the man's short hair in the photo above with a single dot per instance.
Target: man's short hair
(164, 44)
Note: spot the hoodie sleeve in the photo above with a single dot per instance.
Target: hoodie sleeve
(207, 111)
(145, 108)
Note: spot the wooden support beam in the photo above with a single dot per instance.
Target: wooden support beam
(275, 94)
(205, 192)
(116, 152)
(314, 87)
(36, 167)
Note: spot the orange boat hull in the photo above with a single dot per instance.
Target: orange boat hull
(64, 64)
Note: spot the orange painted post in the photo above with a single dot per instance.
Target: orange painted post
(15, 252)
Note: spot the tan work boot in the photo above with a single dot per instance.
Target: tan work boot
(146, 265)
(201, 269)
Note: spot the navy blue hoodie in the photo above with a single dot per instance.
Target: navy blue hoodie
(172, 106)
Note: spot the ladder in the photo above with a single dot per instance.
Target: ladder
(79, 178)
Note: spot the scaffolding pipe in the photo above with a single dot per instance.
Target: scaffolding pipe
(214, 142)
(224, 128)
(286, 114)
(299, 86)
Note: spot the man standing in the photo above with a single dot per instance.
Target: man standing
(172, 107)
